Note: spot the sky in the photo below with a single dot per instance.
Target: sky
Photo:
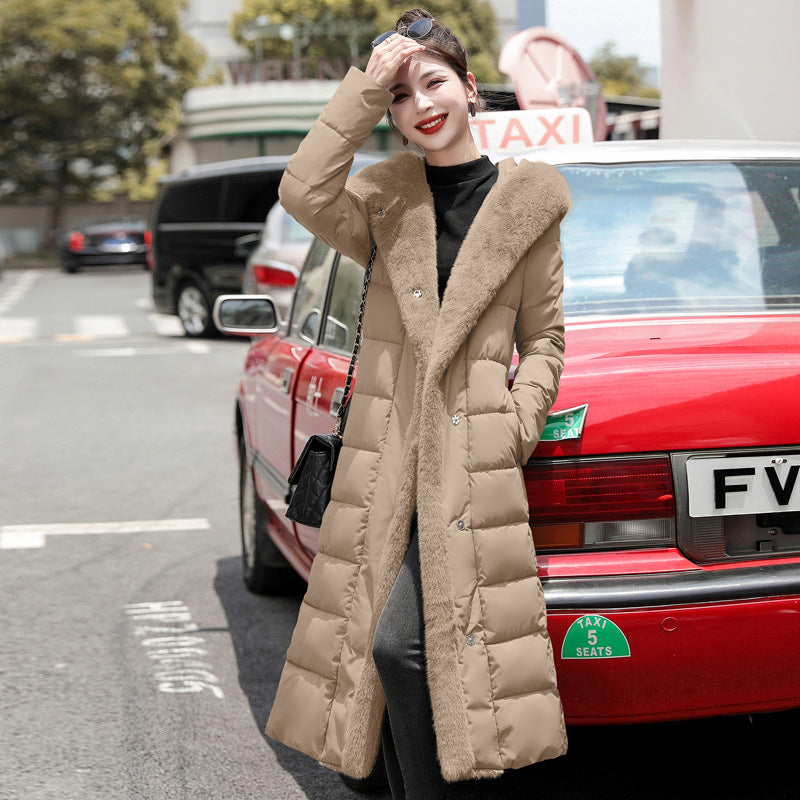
(635, 25)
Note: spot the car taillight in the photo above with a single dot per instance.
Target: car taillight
(148, 247)
(587, 503)
(76, 241)
(274, 276)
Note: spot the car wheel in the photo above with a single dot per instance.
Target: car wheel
(375, 783)
(194, 310)
(70, 268)
(264, 568)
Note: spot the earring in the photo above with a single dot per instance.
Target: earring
(404, 140)
(472, 108)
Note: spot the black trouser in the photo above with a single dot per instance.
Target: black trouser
(407, 738)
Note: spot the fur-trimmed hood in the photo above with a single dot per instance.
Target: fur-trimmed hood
(526, 200)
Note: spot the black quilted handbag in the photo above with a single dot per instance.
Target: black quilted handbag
(310, 480)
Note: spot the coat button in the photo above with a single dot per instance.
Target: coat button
(381, 212)
(470, 639)
(417, 292)
(455, 419)
(460, 525)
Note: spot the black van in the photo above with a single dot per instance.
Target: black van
(197, 218)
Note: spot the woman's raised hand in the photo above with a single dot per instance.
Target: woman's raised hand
(388, 57)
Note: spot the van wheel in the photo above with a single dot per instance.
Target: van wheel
(194, 310)
(264, 568)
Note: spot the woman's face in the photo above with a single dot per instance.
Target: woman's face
(430, 109)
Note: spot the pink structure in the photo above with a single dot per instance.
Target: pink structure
(548, 73)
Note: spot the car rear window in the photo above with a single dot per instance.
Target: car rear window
(294, 232)
(682, 237)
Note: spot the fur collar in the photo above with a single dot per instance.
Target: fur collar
(524, 202)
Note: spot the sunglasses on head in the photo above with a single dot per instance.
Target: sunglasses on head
(418, 29)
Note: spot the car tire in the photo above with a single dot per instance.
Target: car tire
(264, 568)
(375, 783)
(194, 310)
(70, 268)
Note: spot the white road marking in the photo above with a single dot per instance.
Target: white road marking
(166, 325)
(196, 348)
(175, 657)
(97, 325)
(17, 329)
(18, 290)
(89, 327)
(26, 537)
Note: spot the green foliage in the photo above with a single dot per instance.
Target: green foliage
(473, 21)
(351, 27)
(87, 90)
(620, 75)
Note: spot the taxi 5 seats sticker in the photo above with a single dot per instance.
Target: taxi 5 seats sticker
(567, 424)
(593, 636)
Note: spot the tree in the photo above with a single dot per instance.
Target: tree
(335, 31)
(87, 91)
(620, 75)
(473, 21)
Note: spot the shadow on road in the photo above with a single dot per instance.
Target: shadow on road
(261, 628)
(732, 758)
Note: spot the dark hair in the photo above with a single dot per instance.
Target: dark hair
(441, 43)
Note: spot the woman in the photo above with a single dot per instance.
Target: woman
(424, 605)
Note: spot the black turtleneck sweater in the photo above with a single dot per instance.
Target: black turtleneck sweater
(458, 193)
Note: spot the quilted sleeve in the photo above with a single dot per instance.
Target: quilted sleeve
(539, 338)
(313, 189)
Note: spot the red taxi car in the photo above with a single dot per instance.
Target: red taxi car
(664, 495)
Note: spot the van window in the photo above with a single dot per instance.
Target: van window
(248, 198)
(195, 201)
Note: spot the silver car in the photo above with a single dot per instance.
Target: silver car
(275, 263)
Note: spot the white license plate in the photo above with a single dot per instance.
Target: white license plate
(721, 487)
(117, 247)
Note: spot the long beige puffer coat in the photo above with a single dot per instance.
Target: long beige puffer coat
(432, 424)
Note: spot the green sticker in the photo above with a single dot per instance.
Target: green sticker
(593, 636)
(565, 424)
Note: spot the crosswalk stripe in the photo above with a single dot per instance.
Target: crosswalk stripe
(17, 328)
(18, 290)
(166, 325)
(91, 327)
(98, 325)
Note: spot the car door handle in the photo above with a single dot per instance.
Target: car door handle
(336, 400)
(286, 379)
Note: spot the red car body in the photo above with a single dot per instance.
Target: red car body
(657, 609)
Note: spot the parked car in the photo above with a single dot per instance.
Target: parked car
(198, 217)
(664, 494)
(275, 263)
(103, 241)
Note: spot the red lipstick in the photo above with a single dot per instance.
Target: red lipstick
(432, 124)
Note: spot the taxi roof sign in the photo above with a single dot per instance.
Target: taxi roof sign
(501, 133)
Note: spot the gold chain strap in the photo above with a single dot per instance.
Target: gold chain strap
(337, 431)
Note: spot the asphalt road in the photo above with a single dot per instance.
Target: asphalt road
(134, 664)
